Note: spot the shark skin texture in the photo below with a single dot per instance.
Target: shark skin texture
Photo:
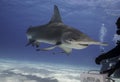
(56, 33)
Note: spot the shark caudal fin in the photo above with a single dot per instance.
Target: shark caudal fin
(56, 18)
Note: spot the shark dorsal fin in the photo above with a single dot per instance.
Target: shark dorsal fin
(56, 18)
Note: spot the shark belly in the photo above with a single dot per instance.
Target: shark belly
(74, 46)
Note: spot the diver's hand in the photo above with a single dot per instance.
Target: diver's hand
(99, 59)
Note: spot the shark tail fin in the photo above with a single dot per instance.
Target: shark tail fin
(56, 18)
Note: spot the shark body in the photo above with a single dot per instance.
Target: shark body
(59, 35)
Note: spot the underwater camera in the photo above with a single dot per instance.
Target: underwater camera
(94, 76)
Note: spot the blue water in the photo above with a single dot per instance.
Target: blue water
(88, 16)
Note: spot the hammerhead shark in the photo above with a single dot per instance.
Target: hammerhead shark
(56, 33)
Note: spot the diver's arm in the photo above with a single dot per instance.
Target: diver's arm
(110, 54)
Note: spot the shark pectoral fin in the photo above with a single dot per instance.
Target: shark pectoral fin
(46, 49)
(66, 50)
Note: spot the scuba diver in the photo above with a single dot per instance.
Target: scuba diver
(111, 60)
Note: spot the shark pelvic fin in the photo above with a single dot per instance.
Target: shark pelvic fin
(56, 18)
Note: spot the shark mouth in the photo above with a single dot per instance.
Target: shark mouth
(84, 44)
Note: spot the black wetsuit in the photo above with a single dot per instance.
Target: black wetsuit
(115, 52)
